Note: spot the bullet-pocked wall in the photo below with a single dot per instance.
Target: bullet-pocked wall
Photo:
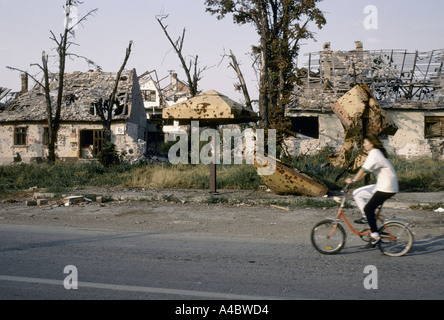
(26, 143)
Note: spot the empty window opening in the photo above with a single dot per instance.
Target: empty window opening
(434, 127)
(308, 126)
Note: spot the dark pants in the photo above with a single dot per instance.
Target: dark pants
(370, 208)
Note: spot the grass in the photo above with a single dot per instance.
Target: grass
(424, 175)
(166, 176)
(420, 175)
(63, 177)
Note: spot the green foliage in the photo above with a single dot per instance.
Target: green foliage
(110, 156)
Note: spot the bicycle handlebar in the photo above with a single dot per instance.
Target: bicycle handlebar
(347, 185)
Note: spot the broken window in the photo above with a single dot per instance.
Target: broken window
(149, 95)
(118, 109)
(93, 110)
(20, 136)
(308, 126)
(45, 136)
(434, 127)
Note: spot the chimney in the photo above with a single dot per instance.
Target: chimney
(327, 46)
(174, 81)
(24, 78)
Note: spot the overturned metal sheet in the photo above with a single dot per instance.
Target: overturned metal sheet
(359, 114)
(351, 106)
(286, 180)
(210, 107)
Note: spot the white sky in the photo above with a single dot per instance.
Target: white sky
(25, 26)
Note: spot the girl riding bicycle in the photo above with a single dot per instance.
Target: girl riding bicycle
(370, 197)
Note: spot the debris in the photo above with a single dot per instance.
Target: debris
(286, 180)
(31, 203)
(181, 200)
(279, 207)
(72, 200)
(9, 200)
(439, 210)
(359, 114)
(42, 202)
(44, 195)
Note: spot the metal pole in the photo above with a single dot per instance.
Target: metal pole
(213, 177)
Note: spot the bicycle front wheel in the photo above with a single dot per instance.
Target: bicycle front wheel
(396, 239)
(328, 237)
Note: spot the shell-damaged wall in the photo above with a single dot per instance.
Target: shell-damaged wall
(408, 142)
(69, 142)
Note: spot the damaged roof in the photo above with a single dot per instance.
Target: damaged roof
(398, 79)
(81, 91)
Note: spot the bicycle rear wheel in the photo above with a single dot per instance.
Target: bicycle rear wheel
(328, 237)
(396, 239)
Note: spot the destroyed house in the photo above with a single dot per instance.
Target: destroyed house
(156, 98)
(24, 125)
(409, 86)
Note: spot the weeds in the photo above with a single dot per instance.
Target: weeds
(423, 175)
(427, 207)
(418, 175)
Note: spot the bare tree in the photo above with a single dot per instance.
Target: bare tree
(64, 41)
(105, 106)
(192, 72)
(242, 85)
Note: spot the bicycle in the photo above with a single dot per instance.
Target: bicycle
(328, 236)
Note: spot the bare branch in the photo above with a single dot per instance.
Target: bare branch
(28, 74)
(235, 65)
(182, 40)
(54, 38)
(81, 20)
(178, 47)
(113, 95)
(87, 60)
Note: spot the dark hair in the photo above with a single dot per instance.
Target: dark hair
(374, 140)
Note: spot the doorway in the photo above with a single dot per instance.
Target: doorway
(91, 143)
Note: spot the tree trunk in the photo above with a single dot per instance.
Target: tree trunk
(264, 76)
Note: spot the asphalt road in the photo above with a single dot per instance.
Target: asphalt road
(113, 264)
